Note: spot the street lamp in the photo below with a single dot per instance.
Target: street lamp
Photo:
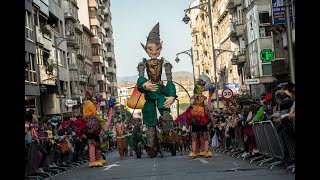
(190, 53)
(186, 20)
(56, 44)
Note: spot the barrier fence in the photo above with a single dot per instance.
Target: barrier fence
(275, 143)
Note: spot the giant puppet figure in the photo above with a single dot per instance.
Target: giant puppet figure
(157, 95)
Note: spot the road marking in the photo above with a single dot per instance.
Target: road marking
(153, 177)
(203, 161)
(110, 166)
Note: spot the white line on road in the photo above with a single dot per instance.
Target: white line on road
(110, 166)
(153, 177)
(203, 161)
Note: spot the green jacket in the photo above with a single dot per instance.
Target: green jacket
(155, 100)
(259, 116)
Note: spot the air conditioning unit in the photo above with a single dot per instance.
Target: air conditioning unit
(279, 67)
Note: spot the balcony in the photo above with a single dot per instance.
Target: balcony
(107, 25)
(113, 84)
(68, 15)
(102, 46)
(78, 28)
(97, 59)
(110, 55)
(83, 78)
(108, 40)
(93, 3)
(102, 30)
(111, 70)
(81, 54)
(106, 64)
(239, 57)
(96, 40)
(239, 29)
(94, 21)
(100, 77)
(92, 82)
(43, 39)
(71, 41)
(73, 67)
(238, 2)
(231, 6)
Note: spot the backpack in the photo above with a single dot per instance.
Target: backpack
(92, 125)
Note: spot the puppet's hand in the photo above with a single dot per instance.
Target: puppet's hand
(169, 101)
(150, 86)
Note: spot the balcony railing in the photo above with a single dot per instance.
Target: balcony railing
(97, 59)
(73, 67)
(83, 78)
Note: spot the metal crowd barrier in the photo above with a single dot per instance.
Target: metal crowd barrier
(239, 143)
(268, 143)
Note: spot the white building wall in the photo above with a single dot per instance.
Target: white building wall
(83, 13)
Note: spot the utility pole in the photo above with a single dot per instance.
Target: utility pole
(290, 42)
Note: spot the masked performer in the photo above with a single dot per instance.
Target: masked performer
(157, 95)
(199, 121)
(92, 131)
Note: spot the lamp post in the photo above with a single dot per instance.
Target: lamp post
(290, 42)
(190, 53)
(56, 44)
(186, 19)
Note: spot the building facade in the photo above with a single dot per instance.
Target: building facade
(32, 90)
(242, 30)
(96, 15)
(74, 37)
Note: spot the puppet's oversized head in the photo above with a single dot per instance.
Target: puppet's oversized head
(154, 45)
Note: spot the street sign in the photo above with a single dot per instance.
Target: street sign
(279, 12)
(227, 94)
(252, 81)
(266, 55)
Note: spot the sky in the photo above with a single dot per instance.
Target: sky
(133, 20)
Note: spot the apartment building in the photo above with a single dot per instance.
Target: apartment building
(226, 43)
(242, 30)
(32, 91)
(96, 15)
(259, 37)
(46, 20)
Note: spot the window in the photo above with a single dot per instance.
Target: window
(68, 59)
(95, 51)
(239, 15)
(29, 26)
(264, 24)
(92, 12)
(267, 69)
(264, 31)
(264, 18)
(30, 69)
(94, 31)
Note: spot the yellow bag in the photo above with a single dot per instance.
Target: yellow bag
(132, 101)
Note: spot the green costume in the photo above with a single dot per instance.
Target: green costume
(154, 100)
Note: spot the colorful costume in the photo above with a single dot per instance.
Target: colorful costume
(161, 96)
(120, 135)
(198, 117)
(90, 125)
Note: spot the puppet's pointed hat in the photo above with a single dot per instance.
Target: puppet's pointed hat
(154, 35)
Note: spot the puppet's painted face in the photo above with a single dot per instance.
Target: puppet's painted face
(153, 50)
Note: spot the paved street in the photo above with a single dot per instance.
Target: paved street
(219, 166)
